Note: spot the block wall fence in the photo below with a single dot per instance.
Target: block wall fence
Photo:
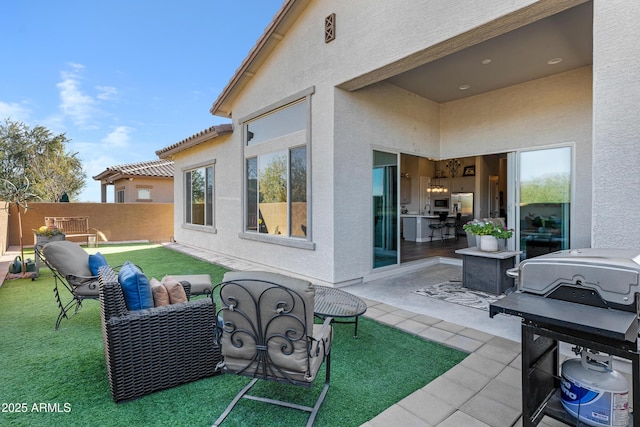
(116, 222)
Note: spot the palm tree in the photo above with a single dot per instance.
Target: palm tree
(17, 196)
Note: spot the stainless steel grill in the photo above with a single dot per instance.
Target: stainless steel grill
(585, 297)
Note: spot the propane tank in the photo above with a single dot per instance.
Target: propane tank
(593, 392)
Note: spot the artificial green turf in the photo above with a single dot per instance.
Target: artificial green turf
(65, 369)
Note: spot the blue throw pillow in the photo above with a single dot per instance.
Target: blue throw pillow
(95, 262)
(135, 287)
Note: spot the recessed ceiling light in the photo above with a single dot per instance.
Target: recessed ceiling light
(554, 61)
(464, 87)
(486, 61)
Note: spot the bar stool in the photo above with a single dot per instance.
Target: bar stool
(451, 226)
(440, 225)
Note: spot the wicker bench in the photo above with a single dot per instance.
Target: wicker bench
(74, 226)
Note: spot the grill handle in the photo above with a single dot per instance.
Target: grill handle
(513, 272)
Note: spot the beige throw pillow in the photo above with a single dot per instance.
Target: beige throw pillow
(160, 293)
(175, 290)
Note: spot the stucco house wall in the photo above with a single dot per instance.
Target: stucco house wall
(161, 189)
(616, 124)
(353, 112)
(386, 118)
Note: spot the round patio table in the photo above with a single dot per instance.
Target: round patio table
(332, 302)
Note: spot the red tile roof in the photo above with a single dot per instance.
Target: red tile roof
(152, 168)
(202, 136)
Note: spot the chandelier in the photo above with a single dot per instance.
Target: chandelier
(437, 188)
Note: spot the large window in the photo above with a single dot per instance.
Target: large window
(275, 124)
(199, 196)
(277, 193)
(276, 171)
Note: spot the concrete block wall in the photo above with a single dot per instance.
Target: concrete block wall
(115, 221)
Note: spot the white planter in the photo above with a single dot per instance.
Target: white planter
(487, 243)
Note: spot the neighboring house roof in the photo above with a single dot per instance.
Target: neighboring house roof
(275, 31)
(152, 168)
(200, 137)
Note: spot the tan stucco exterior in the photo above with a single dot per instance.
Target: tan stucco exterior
(160, 189)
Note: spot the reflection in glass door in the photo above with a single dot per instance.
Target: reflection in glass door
(385, 209)
(545, 200)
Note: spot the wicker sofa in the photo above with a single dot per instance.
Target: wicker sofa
(157, 348)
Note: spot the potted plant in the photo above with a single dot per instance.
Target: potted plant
(489, 233)
(47, 231)
(44, 235)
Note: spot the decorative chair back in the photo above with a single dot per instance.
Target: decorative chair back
(268, 333)
(267, 325)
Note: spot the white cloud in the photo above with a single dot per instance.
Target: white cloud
(78, 106)
(13, 111)
(106, 93)
(119, 137)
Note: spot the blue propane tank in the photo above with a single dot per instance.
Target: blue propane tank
(593, 392)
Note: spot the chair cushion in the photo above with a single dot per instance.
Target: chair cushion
(244, 289)
(68, 258)
(200, 283)
(95, 262)
(174, 289)
(160, 294)
(135, 287)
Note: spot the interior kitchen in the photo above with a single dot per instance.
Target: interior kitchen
(437, 197)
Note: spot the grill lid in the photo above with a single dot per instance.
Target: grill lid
(613, 273)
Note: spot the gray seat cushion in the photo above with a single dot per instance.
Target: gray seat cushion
(68, 258)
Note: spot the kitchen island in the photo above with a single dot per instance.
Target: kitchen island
(415, 227)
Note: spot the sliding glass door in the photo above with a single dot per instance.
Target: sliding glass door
(545, 200)
(385, 209)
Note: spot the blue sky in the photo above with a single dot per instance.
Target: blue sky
(122, 78)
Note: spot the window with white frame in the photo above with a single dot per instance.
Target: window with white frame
(276, 170)
(199, 196)
(144, 193)
(120, 196)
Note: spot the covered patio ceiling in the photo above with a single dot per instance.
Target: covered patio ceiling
(550, 45)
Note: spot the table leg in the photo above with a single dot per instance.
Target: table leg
(355, 333)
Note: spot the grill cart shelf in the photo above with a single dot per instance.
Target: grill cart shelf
(547, 322)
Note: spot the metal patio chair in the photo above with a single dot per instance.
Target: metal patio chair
(69, 264)
(269, 334)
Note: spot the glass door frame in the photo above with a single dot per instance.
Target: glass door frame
(513, 190)
(396, 207)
